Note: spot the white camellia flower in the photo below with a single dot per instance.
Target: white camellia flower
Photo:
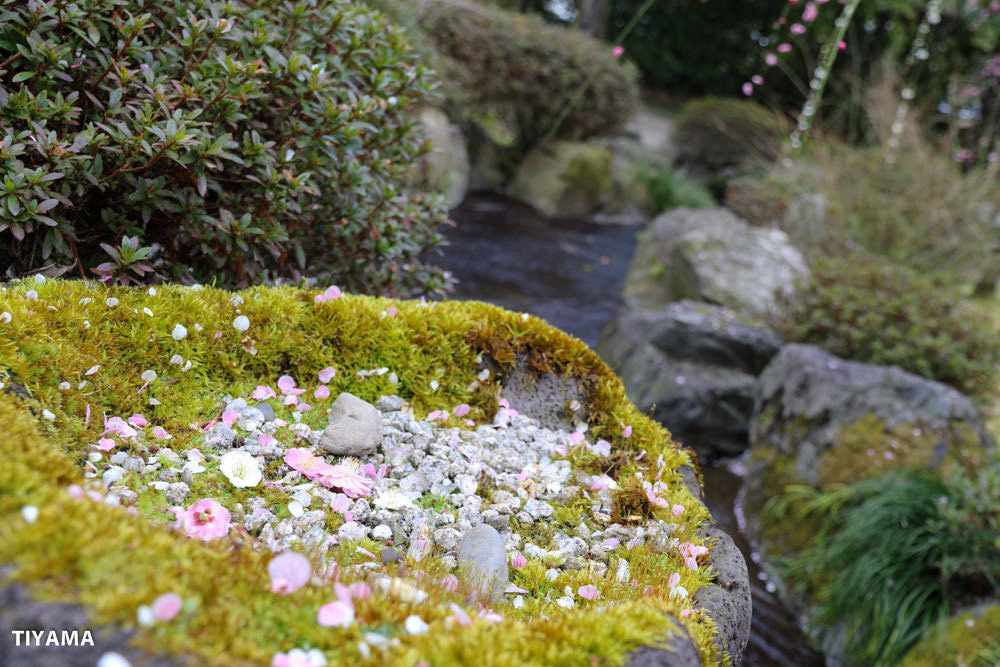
(241, 323)
(180, 332)
(241, 469)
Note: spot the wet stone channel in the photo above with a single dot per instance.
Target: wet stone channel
(571, 273)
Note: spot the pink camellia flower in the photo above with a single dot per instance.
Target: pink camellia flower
(461, 410)
(348, 478)
(677, 510)
(327, 374)
(322, 392)
(160, 433)
(167, 606)
(339, 613)
(618, 51)
(289, 572)
(460, 616)
(518, 561)
(449, 582)
(206, 520)
(307, 463)
(138, 421)
(286, 385)
(104, 444)
(589, 592)
(229, 418)
(262, 393)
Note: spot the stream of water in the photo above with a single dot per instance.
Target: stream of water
(571, 273)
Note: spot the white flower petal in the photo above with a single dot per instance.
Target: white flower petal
(30, 513)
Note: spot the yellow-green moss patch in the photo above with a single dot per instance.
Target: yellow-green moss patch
(80, 349)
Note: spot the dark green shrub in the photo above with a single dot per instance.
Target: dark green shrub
(896, 554)
(868, 310)
(244, 140)
(718, 133)
(517, 74)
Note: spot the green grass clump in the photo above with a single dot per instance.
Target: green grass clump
(671, 189)
(895, 554)
(72, 349)
(870, 310)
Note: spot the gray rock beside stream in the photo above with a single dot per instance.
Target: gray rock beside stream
(693, 366)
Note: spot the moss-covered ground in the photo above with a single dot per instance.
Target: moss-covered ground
(73, 352)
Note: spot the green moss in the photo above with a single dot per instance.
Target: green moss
(113, 561)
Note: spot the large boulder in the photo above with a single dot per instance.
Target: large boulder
(693, 367)
(565, 178)
(821, 421)
(445, 168)
(711, 255)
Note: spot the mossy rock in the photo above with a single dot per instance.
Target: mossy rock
(78, 350)
(565, 178)
(971, 638)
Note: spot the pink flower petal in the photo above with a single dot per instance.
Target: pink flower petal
(229, 418)
(449, 582)
(518, 561)
(289, 572)
(460, 616)
(327, 374)
(677, 510)
(138, 421)
(105, 444)
(338, 613)
(589, 592)
(322, 392)
(167, 606)
(461, 410)
(262, 393)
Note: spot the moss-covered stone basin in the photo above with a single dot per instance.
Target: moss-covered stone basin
(72, 352)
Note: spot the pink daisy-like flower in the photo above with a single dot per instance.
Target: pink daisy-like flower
(206, 520)
(589, 592)
(286, 385)
(289, 572)
(167, 606)
(307, 463)
(262, 393)
(347, 477)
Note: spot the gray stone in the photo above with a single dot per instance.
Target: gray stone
(482, 559)
(543, 396)
(390, 403)
(352, 531)
(267, 411)
(538, 509)
(693, 366)
(678, 650)
(133, 464)
(390, 555)
(728, 600)
(711, 255)
(354, 427)
(445, 168)
(565, 178)
(250, 419)
(219, 435)
(177, 493)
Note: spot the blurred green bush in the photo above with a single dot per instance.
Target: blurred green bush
(237, 141)
(866, 309)
(717, 133)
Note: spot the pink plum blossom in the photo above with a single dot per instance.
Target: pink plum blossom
(262, 393)
(289, 572)
(810, 12)
(348, 479)
(461, 410)
(449, 582)
(160, 433)
(167, 606)
(286, 385)
(339, 613)
(618, 51)
(518, 561)
(589, 592)
(307, 463)
(677, 510)
(332, 293)
(322, 392)
(327, 374)
(138, 421)
(206, 520)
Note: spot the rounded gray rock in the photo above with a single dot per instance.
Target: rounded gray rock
(354, 427)
(482, 560)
